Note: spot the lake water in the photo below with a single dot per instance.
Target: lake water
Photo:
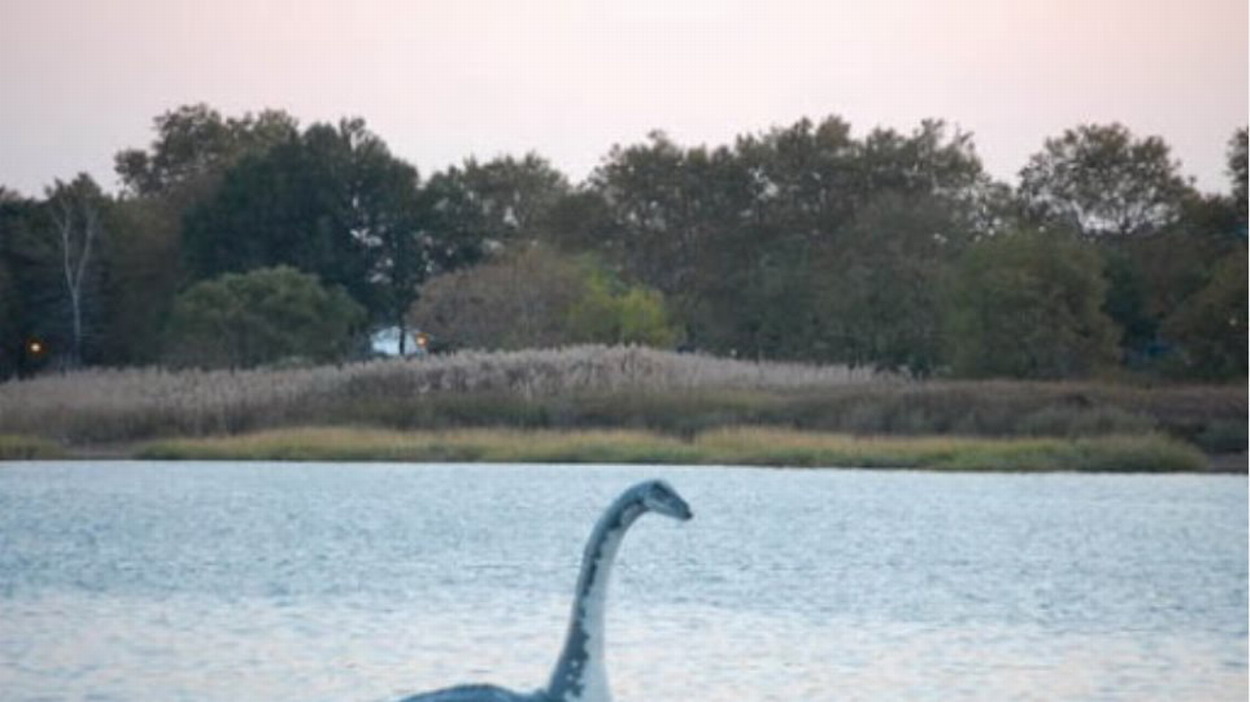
(234, 582)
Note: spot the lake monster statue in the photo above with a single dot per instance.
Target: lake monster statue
(580, 675)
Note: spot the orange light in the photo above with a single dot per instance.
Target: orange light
(35, 347)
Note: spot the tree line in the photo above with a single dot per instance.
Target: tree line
(240, 241)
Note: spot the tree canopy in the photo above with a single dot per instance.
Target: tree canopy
(809, 241)
(1028, 305)
(1100, 181)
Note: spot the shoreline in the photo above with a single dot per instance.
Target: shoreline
(752, 446)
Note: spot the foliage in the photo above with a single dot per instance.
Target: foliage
(879, 289)
(804, 242)
(510, 302)
(264, 316)
(142, 278)
(512, 198)
(1028, 305)
(739, 445)
(335, 203)
(535, 297)
(52, 277)
(605, 313)
(1102, 181)
(26, 282)
(1210, 325)
(195, 143)
(297, 204)
(1237, 171)
(750, 243)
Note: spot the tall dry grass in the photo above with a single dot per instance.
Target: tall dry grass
(593, 387)
(129, 404)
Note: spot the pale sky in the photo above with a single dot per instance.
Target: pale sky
(440, 80)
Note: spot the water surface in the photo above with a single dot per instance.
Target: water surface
(250, 581)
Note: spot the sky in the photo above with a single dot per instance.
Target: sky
(441, 80)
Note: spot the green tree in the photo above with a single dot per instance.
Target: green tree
(1151, 276)
(582, 221)
(1102, 181)
(879, 283)
(12, 343)
(29, 303)
(803, 179)
(194, 144)
(182, 167)
(1209, 327)
(263, 316)
(291, 205)
(1029, 305)
(141, 278)
(933, 160)
(1129, 303)
(337, 204)
(739, 239)
(666, 204)
(1237, 171)
(511, 198)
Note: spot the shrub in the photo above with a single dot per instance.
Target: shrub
(634, 315)
(540, 299)
(263, 316)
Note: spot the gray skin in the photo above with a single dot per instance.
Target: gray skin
(579, 674)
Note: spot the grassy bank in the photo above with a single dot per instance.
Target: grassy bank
(758, 446)
(26, 448)
(594, 388)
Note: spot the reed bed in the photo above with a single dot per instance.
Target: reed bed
(129, 404)
(753, 446)
(596, 387)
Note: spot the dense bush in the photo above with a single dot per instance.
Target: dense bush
(265, 316)
(536, 298)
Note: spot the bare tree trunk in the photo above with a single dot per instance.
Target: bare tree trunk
(74, 263)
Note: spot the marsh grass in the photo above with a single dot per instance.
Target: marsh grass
(768, 446)
(595, 387)
(523, 388)
(490, 445)
(24, 448)
(758, 446)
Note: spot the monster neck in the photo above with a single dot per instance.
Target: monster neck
(580, 674)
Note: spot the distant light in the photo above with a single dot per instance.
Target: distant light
(35, 347)
(423, 340)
